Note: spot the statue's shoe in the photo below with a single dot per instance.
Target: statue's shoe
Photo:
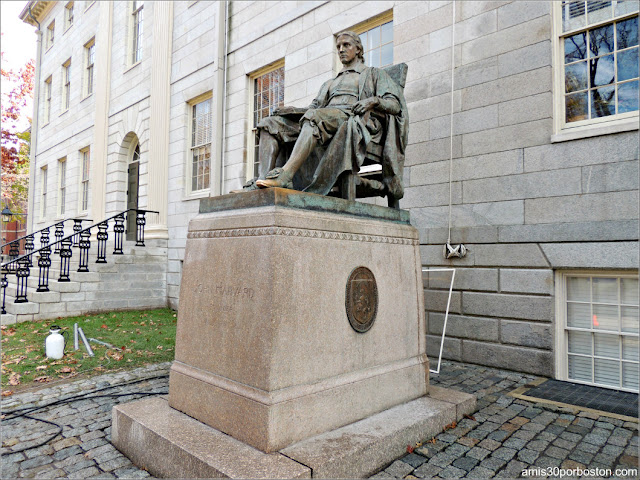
(278, 177)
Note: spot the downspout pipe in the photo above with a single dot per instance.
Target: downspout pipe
(224, 95)
(34, 126)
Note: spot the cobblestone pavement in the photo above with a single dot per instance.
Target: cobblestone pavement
(504, 437)
(507, 435)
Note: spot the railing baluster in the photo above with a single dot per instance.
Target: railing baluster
(140, 223)
(118, 230)
(44, 238)
(22, 274)
(4, 284)
(65, 259)
(44, 262)
(102, 237)
(14, 251)
(85, 244)
(77, 226)
(28, 246)
(59, 233)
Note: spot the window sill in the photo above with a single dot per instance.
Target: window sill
(63, 112)
(67, 29)
(133, 66)
(88, 96)
(626, 125)
(48, 48)
(196, 195)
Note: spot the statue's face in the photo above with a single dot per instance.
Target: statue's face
(347, 49)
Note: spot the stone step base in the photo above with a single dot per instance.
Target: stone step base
(136, 279)
(170, 444)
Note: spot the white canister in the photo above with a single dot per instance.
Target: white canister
(54, 343)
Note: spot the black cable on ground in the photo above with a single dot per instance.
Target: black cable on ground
(25, 411)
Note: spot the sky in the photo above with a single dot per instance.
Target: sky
(19, 38)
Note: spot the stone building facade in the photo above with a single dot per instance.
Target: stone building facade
(523, 146)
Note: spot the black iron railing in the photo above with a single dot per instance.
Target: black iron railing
(27, 243)
(20, 265)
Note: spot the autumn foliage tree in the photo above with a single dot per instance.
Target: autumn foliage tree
(17, 90)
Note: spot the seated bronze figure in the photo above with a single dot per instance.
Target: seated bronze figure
(359, 117)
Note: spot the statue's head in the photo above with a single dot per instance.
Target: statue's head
(356, 40)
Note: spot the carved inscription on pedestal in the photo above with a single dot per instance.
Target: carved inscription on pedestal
(361, 299)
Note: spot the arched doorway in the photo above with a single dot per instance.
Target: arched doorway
(133, 177)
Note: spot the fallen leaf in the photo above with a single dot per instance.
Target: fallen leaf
(10, 443)
(159, 347)
(16, 360)
(43, 379)
(450, 426)
(9, 332)
(433, 440)
(14, 379)
(41, 367)
(470, 417)
(409, 449)
(104, 326)
(7, 393)
(418, 444)
(67, 370)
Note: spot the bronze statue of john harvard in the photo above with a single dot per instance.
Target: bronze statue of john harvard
(361, 104)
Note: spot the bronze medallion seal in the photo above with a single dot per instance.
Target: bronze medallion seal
(361, 299)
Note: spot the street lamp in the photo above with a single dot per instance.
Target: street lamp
(6, 215)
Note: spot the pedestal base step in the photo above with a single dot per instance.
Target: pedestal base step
(170, 444)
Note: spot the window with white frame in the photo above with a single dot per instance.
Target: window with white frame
(89, 58)
(200, 151)
(597, 338)
(51, 30)
(66, 85)
(268, 94)
(376, 36)
(136, 31)
(47, 100)
(598, 48)
(85, 155)
(68, 15)
(62, 185)
(43, 193)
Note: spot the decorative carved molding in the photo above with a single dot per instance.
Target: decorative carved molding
(299, 232)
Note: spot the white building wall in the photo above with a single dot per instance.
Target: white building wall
(524, 204)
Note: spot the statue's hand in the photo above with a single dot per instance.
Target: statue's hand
(365, 105)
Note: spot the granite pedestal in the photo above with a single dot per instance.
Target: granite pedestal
(265, 352)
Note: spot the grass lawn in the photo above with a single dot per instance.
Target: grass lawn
(138, 338)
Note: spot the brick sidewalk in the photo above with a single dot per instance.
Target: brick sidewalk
(505, 436)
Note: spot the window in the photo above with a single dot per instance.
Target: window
(89, 55)
(66, 85)
(598, 329)
(50, 34)
(268, 94)
(598, 59)
(200, 155)
(84, 188)
(47, 100)
(43, 197)
(62, 185)
(136, 31)
(377, 39)
(68, 15)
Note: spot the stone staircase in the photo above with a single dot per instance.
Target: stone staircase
(136, 279)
